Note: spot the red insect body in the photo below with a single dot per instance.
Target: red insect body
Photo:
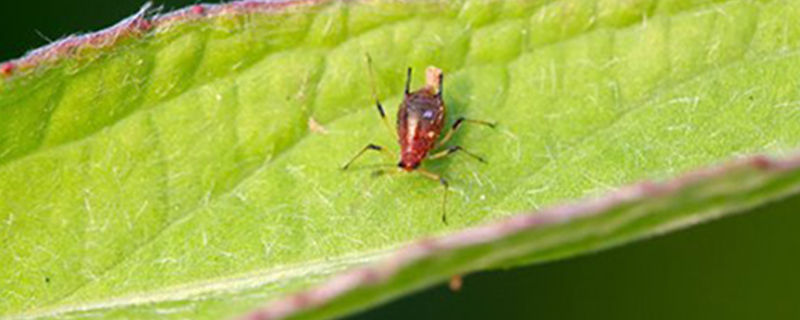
(420, 120)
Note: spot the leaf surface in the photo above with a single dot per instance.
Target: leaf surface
(167, 167)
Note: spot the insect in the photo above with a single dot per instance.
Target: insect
(420, 120)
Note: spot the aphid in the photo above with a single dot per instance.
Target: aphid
(420, 120)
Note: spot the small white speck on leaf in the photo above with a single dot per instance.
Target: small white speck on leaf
(315, 127)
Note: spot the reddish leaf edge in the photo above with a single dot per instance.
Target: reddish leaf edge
(139, 25)
(382, 271)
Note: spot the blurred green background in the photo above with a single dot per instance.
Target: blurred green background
(743, 267)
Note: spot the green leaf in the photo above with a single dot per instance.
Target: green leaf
(166, 167)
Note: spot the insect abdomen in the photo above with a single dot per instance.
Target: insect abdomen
(419, 123)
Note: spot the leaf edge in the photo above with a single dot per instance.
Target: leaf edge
(321, 301)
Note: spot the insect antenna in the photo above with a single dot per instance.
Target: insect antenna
(375, 97)
(441, 85)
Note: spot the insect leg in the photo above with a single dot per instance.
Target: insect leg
(378, 105)
(367, 148)
(458, 123)
(454, 149)
(444, 183)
